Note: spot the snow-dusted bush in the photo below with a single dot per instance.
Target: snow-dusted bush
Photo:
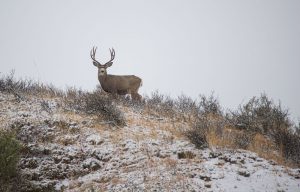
(101, 105)
(161, 104)
(289, 144)
(198, 133)
(9, 84)
(95, 103)
(185, 104)
(209, 105)
(260, 115)
(74, 99)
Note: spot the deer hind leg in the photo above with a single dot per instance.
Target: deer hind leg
(135, 96)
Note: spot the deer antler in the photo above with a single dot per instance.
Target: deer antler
(93, 53)
(112, 55)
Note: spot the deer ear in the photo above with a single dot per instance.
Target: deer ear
(108, 64)
(95, 63)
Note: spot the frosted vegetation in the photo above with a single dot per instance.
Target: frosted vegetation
(55, 140)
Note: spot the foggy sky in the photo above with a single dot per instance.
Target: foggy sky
(236, 48)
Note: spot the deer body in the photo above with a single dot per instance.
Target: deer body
(116, 84)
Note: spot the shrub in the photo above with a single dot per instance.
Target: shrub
(209, 105)
(103, 106)
(74, 99)
(260, 115)
(155, 99)
(289, 144)
(94, 103)
(6, 82)
(18, 87)
(198, 133)
(163, 105)
(186, 106)
(9, 157)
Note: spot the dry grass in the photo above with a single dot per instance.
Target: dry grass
(75, 116)
(161, 113)
(224, 141)
(170, 163)
(265, 148)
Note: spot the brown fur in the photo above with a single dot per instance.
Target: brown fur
(117, 84)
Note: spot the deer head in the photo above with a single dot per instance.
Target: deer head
(102, 67)
(116, 84)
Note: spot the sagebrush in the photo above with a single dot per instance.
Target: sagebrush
(207, 124)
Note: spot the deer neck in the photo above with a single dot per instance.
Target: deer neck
(103, 80)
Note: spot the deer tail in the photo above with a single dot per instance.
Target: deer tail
(141, 84)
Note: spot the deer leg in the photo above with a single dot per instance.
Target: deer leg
(113, 94)
(136, 97)
(133, 97)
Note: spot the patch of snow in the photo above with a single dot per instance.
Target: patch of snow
(94, 139)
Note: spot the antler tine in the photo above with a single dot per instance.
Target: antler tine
(112, 55)
(113, 51)
(93, 54)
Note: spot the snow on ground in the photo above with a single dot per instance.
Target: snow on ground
(67, 151)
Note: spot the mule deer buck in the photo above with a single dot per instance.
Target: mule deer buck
(116, 84)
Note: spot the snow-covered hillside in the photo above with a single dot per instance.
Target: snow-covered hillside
(69, 151)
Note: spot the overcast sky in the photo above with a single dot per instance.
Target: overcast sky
(236, 48)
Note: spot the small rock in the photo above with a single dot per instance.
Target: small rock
(162, 154)
(74, 129)
(294, 173)
(244, 172)
(30, 163)
(186, 155)
(205, 177)
(94, 140)
(229, 159)
(66, 160)
(69, 139)
(207, 184)
(214, 154)
(221, 162)
(92, 164)
(272, 162)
